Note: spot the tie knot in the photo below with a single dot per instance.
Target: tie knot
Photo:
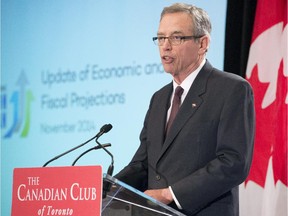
(179, 91)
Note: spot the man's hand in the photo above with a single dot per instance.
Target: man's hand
(162, 195)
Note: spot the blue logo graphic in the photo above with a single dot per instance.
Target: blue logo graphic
(20, 102)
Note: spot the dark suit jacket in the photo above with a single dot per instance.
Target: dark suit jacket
(208, 150)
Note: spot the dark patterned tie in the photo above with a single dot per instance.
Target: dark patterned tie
(175, 107)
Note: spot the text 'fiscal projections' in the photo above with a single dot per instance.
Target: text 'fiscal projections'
(75, 100)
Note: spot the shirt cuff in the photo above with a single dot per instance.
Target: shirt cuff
(174, 198)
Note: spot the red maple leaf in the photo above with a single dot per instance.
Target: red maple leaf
(279, 150)
(271, 131)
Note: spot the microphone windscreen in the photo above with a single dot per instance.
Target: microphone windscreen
(106, 128)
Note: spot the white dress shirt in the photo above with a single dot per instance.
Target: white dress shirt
(186, 84)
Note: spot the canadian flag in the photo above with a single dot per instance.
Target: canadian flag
(264, 192)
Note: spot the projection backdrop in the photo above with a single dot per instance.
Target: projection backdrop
(69, 67)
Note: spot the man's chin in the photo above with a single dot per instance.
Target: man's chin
(169, 70)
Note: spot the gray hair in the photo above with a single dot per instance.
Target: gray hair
(200, 19)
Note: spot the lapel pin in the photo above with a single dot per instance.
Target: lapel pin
(194, 105)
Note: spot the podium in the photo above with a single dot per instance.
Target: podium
(124, 200)
(78, 190)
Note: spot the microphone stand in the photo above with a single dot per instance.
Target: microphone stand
(58, 156)
(93, 148)
(106, 185)
(104, 129)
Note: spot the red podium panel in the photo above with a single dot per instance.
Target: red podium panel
(49, 191)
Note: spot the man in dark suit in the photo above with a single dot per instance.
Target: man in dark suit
(196, 165)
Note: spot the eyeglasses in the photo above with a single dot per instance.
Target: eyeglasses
(174, 40)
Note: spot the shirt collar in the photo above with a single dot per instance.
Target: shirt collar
(186, 84)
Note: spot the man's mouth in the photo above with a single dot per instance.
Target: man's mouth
(167, 59)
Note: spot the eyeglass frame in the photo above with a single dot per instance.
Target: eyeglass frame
(181, 39)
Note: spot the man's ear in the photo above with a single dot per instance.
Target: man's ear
(204, 44)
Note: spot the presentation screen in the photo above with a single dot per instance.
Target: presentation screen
(70, 67)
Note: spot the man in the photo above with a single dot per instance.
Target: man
(197, 163)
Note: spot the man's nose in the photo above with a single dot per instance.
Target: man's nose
(167, 44)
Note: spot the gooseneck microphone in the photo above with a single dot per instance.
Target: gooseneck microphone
(91, 149)
(107, 185)
(104, 129)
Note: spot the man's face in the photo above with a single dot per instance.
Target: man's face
(182, 59)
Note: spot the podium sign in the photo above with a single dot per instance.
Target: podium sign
(49, 191)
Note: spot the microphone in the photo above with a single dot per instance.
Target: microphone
(104, 129)
(107, 185)
(93, 148)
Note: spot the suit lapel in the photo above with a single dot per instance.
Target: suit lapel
(190, 105)
(163, 103)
